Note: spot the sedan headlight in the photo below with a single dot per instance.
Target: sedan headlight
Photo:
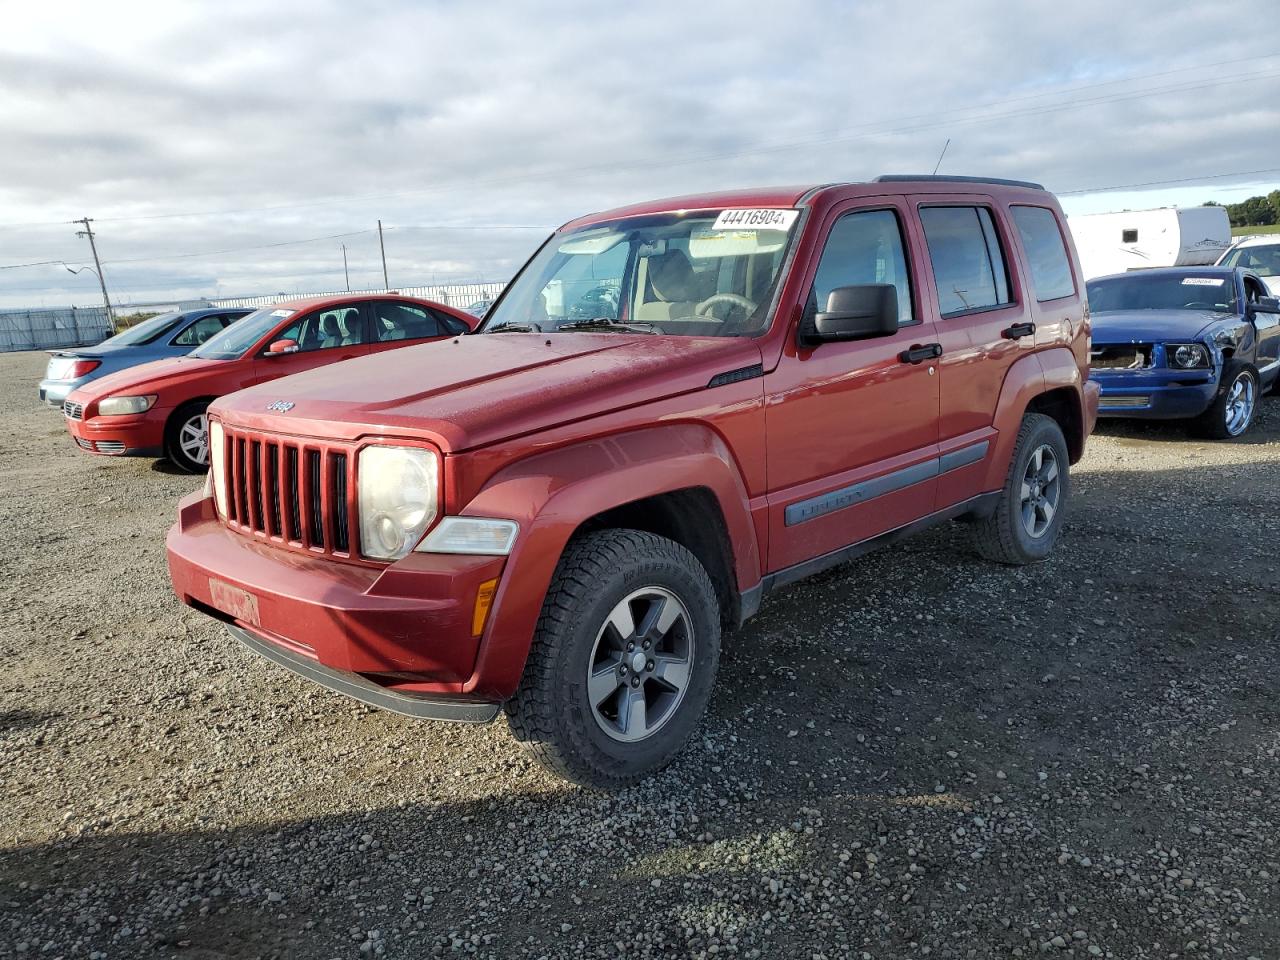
(120, 406)
(1186, 356)
(399, 489)
(218, 465)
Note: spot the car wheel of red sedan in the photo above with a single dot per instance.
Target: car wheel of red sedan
(187, 437)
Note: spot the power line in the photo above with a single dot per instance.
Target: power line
(1164, 183)
(764, 147)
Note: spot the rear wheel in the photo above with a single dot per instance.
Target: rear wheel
(623, 659)
(1235, 406)
(186, 439)
(1025, 524)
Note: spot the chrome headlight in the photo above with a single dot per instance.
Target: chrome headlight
(120, 406)
(218, 465)
(399, 490)
(1186, 356)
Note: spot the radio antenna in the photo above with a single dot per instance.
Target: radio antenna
(941, 155)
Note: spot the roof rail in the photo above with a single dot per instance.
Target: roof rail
(933, 178)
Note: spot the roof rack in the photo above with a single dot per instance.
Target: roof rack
(933, 178)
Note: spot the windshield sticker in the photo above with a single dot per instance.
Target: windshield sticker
(1202, 281)
(755, 218)
(282, 313)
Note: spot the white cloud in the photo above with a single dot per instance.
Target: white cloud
(507, 113)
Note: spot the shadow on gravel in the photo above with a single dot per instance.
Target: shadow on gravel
(13, 720)
(917, 747)
(166, 466)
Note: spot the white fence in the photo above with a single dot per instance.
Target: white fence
(460, 295)
(53, 328)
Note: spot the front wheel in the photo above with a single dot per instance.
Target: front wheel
(1027, 519)
(186, 440)
(623, 659)
(1233, 410)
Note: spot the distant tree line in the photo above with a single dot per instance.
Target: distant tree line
(1254, 212)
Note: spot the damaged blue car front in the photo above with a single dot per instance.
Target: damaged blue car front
(1193, 343)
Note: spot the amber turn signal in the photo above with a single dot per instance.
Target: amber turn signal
(484, 602)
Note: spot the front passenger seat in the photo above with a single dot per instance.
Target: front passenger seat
(349, 323)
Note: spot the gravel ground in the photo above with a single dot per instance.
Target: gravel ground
(916, 754)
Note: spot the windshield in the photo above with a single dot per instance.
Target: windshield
(1164, 291)
(144, 332)
(1262, 260)
(704, 273)
(232, 342)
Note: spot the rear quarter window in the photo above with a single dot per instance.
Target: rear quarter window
(1046, 253)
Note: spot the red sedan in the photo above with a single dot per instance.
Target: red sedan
(158, 409)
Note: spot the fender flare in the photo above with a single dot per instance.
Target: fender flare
(550, 495)
(1029, 377)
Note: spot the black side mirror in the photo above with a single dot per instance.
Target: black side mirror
(1265, 305)
(856, 313)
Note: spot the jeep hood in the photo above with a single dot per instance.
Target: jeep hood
(478, 390)
(1153, 326)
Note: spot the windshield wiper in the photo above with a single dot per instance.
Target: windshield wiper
(608, 323)
(510, 327)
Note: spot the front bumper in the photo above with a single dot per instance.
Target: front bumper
(398, 637)
(129, 436)
(1156, 393)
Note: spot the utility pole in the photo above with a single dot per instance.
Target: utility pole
(386, 284)
(344, 267)
(106, 300)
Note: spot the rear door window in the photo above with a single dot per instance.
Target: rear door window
(968, 261)
(1047, 254)
(403, 321)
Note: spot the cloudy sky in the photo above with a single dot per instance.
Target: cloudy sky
(208, 139)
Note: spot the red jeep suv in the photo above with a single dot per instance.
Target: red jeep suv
(674, 409)
(158, 408)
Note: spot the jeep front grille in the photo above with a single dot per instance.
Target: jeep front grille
(1126, 356)
(294, 492)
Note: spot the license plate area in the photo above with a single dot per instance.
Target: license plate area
(237, 603)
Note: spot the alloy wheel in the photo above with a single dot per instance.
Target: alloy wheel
(1240, 403)
(1041, 491)
(193, 439)
(641, 664)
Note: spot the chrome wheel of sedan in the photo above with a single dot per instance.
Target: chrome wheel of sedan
(193, 439)
(641, 664)
(1041, 490)
(1242, 398)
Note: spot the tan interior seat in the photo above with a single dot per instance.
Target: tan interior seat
(669, 288)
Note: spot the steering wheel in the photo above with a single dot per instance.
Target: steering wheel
(704, 308)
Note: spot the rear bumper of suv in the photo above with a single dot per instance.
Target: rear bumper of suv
(400, 637)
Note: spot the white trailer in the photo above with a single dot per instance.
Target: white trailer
(1137, 239)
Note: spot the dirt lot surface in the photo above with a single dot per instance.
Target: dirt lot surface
(917, 754)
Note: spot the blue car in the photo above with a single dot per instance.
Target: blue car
(166, 335)
(1185, 343)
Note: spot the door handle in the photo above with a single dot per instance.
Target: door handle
(1018, 331)
(918, 353)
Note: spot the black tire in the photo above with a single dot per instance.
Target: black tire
(551, 712)
(1004, 536)
(173, 441)
(1220, 421)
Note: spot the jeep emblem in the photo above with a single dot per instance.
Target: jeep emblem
(280, 406)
